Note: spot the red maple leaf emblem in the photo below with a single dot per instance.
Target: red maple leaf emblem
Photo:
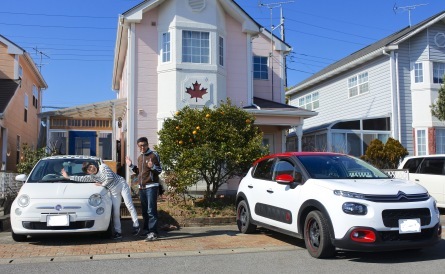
(196, 92)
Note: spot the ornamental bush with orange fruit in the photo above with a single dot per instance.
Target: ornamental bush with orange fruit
(208, 144)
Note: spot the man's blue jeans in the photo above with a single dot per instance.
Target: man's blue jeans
(149, 203)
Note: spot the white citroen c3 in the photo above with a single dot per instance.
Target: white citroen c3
(336, 201)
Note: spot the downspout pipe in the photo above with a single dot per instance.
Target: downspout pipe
(395, 119)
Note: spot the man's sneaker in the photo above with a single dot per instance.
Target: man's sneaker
(144, 234)
(151, 237)
(136, 230)
(117, 235)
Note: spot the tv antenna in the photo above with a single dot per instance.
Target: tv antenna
(407, 8)
(271, 6)
(41, 54)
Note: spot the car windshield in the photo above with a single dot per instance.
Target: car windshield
(339, 167)
(49, 170)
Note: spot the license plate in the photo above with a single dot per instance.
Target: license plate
(57, 220)
(409, 225)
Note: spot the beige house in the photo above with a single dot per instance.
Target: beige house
(21, 86)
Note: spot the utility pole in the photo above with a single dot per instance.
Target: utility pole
(271, 6)
(41, 54)
(407, 8)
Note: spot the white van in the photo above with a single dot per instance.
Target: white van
(428, 171)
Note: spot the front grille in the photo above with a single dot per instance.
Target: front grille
(400, 197)
(394, 236)
(43, 226)
(391, 216)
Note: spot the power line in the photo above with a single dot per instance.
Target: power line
(57, 15)
(64, 27)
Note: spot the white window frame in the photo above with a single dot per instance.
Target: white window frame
(221, 51)
(309, 101)
(262, 63)
(20, 71)
(358, 84)
(440, 141)
(421, 142)
(35, 94)
(418, 72)
(437, 71)
(26, 106)
(166, 47)
(195, 47)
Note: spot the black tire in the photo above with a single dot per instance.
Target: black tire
(19, 237)
(317, 237)
(243, 218)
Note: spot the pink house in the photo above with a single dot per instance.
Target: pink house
(165, 48)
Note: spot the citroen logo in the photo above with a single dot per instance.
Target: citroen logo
(401, 195)
(58, 207)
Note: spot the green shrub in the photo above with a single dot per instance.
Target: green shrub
(385, 156)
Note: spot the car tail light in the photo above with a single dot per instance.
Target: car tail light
(362, 235)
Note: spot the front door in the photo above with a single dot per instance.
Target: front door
(82, 143)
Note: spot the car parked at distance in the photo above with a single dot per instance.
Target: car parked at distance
(48, 203)
(336, 201)
(428, 171)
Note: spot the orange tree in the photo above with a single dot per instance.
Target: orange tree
(207, 144)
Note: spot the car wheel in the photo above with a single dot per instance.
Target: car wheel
(243, 219)
(317, 237)
(19, 237)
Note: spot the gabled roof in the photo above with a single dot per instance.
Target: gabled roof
(15, 49)
(271, 108)
(134, 15)
(367, 53)
(8, 88)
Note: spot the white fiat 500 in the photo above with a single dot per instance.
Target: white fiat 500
(48, 203)
(336, 201)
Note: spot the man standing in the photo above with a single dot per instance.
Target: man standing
(148, 170)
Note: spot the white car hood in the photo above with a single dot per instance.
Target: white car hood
(61, 190)
(371, 186)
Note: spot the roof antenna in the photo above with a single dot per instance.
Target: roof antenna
(41, 54)
(271, 6)
(407, 8)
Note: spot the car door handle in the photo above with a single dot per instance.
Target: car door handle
(270, 190)
(250, 186)
(417, 180)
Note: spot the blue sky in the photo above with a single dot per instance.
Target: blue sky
(73, 41)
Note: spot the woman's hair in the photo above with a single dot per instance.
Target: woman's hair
(85, 166)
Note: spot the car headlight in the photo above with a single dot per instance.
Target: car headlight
(348, 194)
(354, 208)
(95, 200)
(23, 200)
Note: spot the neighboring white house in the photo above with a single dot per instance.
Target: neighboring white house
(383, 90)
(165, 48)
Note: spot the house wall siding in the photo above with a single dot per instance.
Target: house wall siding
(335, 103)
(435, 52)
(263, 88)
(146, 79)
(404, 81)
(236, 57)
(6, 63)
(13, 119)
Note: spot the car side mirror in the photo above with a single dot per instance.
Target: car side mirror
(21, 177)
(284, 179)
